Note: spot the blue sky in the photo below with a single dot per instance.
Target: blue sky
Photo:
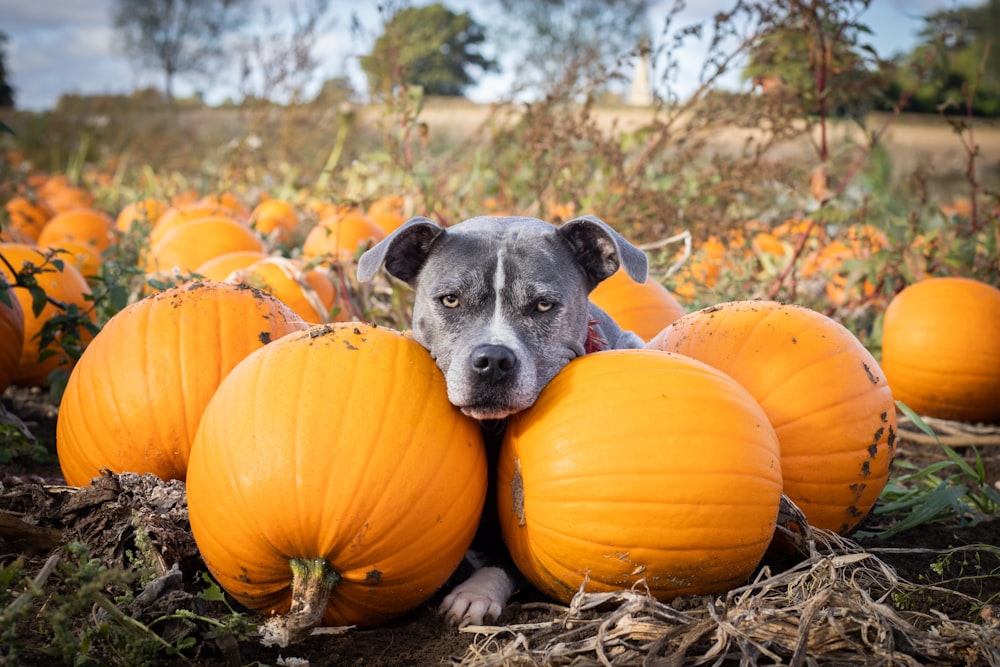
(68, 46)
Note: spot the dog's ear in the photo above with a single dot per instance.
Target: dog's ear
(403, 252)
(601, 250)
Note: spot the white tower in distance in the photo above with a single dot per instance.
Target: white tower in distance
(640, 93)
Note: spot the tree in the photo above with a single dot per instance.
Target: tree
(569, 44)
(177, 36)
(6, 90)
(966, 42)
(429, 46)
(817, 57)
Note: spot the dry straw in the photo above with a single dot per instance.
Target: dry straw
(951, 433)
(832, 608)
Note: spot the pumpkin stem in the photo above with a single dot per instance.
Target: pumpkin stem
(312, 582)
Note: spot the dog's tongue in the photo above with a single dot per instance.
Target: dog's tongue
(594, 342)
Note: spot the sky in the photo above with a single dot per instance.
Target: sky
(56, 47)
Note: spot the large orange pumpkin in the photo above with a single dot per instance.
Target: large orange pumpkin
(673, 478)
(175, 216)
(11, 334)
(821, 389)
(335, 452)
(188, 246)
(84, 225)
(66, 286)
(645, 308)
(941, 348)
(135, 398)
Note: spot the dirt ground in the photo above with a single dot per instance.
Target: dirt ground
(956, 588)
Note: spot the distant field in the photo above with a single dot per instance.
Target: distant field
(914, 140)
(304, 136)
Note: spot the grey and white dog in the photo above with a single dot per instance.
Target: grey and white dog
(502, 305)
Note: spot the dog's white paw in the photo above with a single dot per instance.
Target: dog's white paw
(481, 596)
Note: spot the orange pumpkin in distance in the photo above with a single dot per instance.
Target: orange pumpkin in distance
(84, 256)
(275, 217)
(822, 391)
(388, 212)
(135, 398)
(66, 286)
(219, 268)
(340, 236)
(941, 348)
(679, 489)
(143, 212)
(11, 334)
(175, 216)
(645, 308)
(27, 216)
(334, 456)
(84, 225)
(307, 291)
(188, 246)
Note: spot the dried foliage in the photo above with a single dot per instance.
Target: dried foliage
(833, 608)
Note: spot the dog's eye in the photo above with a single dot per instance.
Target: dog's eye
(544, 306)
(449, 301)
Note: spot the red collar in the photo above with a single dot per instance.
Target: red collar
(594, 342)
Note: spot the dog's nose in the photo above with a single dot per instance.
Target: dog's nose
(493, 361)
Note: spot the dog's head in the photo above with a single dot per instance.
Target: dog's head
(502, 304)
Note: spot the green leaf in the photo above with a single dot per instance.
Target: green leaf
(933, 506)
(118, 297)
(39, 299)
(211, 592)
(915, 418)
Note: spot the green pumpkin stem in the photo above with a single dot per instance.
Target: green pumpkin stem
(313, 580)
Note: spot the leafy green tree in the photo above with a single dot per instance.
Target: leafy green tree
(963, 46)
(177, 36)
(6, 90)
(817, 57)
(429, 46)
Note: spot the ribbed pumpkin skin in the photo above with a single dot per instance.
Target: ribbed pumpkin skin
(337, 443)
(645, 308)
(11, 336)
(672, 477)
(821, 389)
(941, 349)
(134, 399)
